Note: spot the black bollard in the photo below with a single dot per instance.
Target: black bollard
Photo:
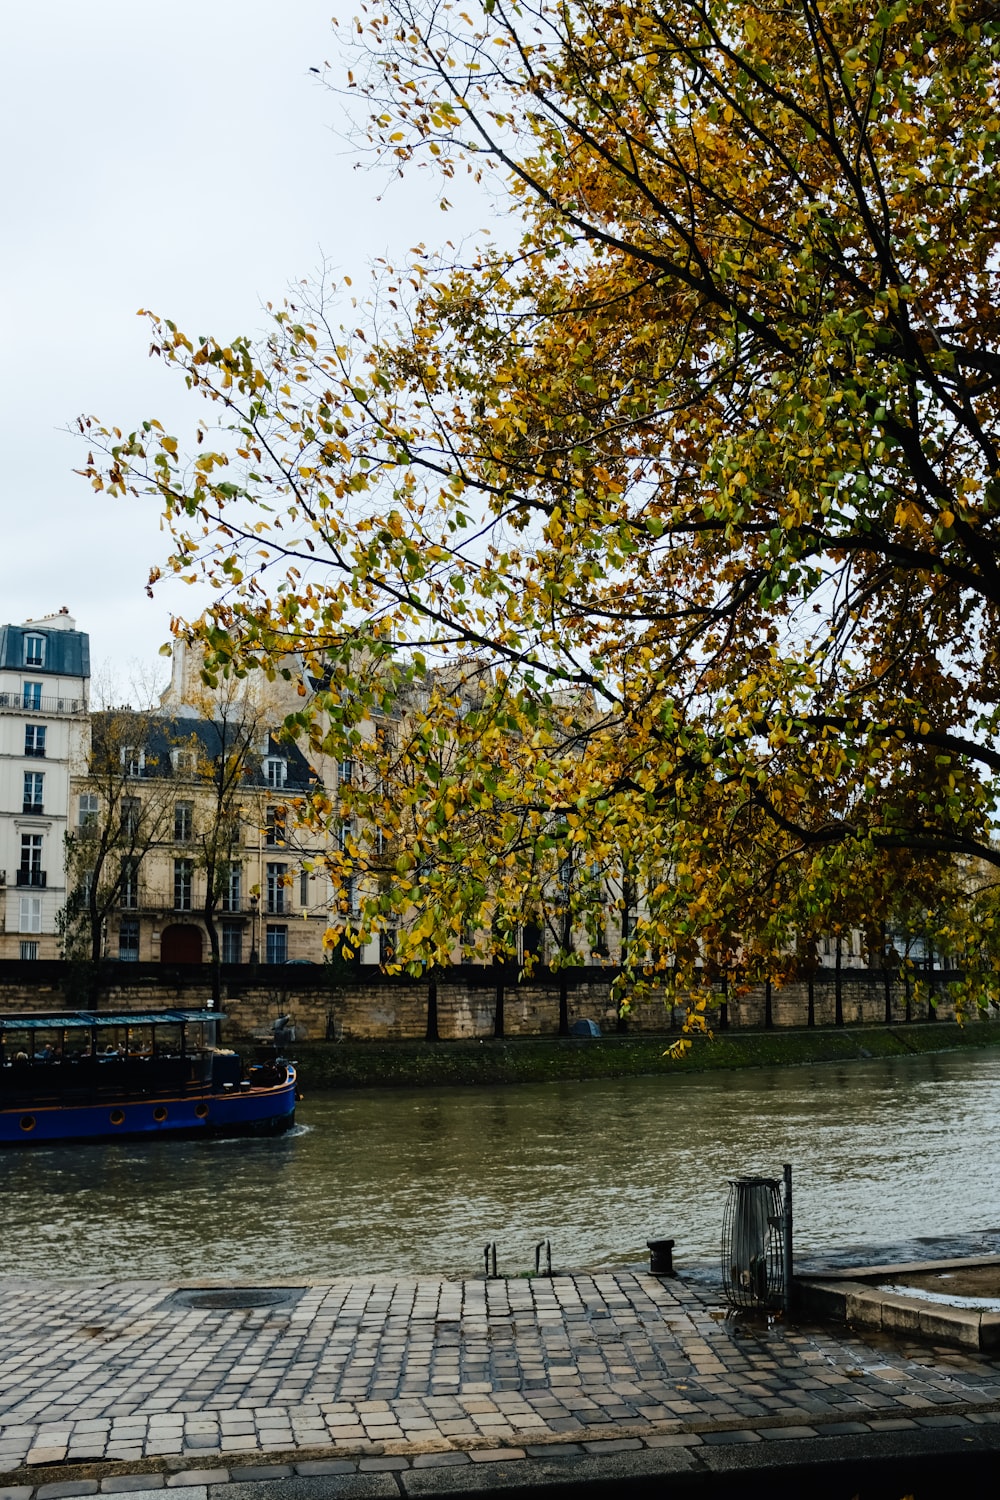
(661, 1257)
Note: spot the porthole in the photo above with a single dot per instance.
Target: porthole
(159, 1114)
(27, 1122)
(201, 1110)
(117, 1117)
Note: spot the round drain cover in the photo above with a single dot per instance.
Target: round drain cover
(238, 1297)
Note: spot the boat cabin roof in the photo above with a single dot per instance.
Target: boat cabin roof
(86, 1020)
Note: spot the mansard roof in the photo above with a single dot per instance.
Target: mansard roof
(67, 652)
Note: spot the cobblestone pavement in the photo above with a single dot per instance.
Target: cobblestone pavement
(367, 1372)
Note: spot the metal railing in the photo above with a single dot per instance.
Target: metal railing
(24, 703)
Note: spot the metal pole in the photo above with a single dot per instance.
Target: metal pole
(787, 1240)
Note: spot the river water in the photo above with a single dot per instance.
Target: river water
(418, 1181)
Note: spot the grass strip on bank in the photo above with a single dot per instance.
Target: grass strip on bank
(344, 1065)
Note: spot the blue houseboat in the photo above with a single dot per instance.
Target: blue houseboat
(97, 1075)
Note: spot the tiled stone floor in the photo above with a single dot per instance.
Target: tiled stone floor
(123, 1372)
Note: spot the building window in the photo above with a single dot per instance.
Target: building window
(131, 813)
(277, 945)
(183, 822)
(232, 888)
(304, 888)
(276, 887)
(274, 828)
(133, 758)
(34, 739)
(88, 809)
(34, 650)
(34, 796)
(350, 894)
(345, 771)
(31, 914)
(345, 835)
(128, 940)
(184, 762)
(30, 871)
(32, 695)
(183, 872)
(232, 943)
(275, 770)
(130, 884)
(29, 951)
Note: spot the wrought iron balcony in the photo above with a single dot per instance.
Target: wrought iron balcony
(26, 704)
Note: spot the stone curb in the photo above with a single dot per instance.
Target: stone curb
(757, 1447)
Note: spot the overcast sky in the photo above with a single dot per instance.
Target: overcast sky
(170, 154)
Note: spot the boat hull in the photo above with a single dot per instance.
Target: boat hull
(260, 1111)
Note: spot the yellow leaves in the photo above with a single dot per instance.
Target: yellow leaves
(908, 515)
(169, 445)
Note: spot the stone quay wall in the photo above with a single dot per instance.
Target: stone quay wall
(363, 1004)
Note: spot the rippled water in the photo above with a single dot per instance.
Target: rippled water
(417, 1181)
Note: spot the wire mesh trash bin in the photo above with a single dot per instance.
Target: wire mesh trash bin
(753, 1261)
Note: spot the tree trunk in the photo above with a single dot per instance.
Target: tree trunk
(96, 927)
(215, 960)
(621, 1020)
(95, 968)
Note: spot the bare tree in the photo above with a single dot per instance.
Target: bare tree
(223, 756)
(124, 810)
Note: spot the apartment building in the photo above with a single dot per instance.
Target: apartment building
(182, 824)
(44, 687)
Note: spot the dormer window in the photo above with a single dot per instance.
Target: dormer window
(34, 650)
(275, 770)
(184, 762)
(133, 759)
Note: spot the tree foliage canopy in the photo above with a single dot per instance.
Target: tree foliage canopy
(701, 476)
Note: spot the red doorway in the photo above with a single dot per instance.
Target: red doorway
(181, 944)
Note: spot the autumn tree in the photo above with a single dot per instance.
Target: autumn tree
(706, 466)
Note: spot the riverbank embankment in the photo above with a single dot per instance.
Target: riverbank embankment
(407, 1064)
